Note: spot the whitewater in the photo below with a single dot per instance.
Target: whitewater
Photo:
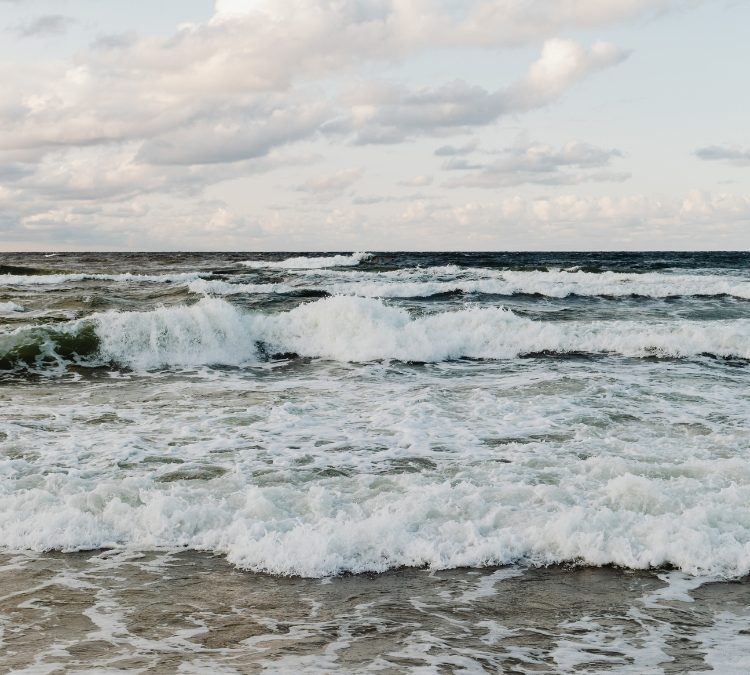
(448, 425)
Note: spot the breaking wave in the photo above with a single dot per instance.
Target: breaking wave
(10, 308)
(351, 329)
(483, 517)
(423, 283)
(309, 262)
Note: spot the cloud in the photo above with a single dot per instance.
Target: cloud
(242, 133)
(561, 64)
(697, 220)
(119, 143)
(394, 28)
(334, 182)
(48, 24)
(114, 41)
(530, 162)
(730, 154)
(383, 113)
(456, 150)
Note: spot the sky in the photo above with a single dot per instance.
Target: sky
(340, 125)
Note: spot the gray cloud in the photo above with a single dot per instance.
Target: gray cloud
(461, 164)
(456, 150)
(48, 24)
(236, 135)
(391, 114)
(114, 41)
(731, 154)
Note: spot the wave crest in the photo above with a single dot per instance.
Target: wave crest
(309, 262)
(352, 329)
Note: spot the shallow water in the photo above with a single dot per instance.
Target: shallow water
(194, 613)
(419, 418)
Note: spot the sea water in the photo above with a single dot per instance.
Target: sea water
(388, 453)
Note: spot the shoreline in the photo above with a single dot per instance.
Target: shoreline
(194, 612)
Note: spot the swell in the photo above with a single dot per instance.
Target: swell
(350, 329)
(21, 269)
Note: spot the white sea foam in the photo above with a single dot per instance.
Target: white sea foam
(44, 279)
(636, 496)
(558, 285)
(218, 287)
(425, 282)
(209, 332)
(10, 308)
(360, 329)
(487, 515)
(309, 262)
(352, 329)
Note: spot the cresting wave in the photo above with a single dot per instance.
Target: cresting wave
(309, 262)
(10, 308)
(351, 329)
(422, 283)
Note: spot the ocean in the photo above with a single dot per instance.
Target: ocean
(375, 462)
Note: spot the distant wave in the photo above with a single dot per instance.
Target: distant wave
(214, 332)
(309, 262)
(42, 279)
(218, 287)
(558, 284)
(10, 308)
(423, 283)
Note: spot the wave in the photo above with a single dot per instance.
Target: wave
(360, 329)
(309, 262)
(424, 283)
(351, 329)
(20, 269)
(490, 515)
(218, 287)
(44, 279)
(10, 308)
(558, 285)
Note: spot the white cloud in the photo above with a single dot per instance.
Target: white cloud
(118, 144)
(561, 64)
(699, 220)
